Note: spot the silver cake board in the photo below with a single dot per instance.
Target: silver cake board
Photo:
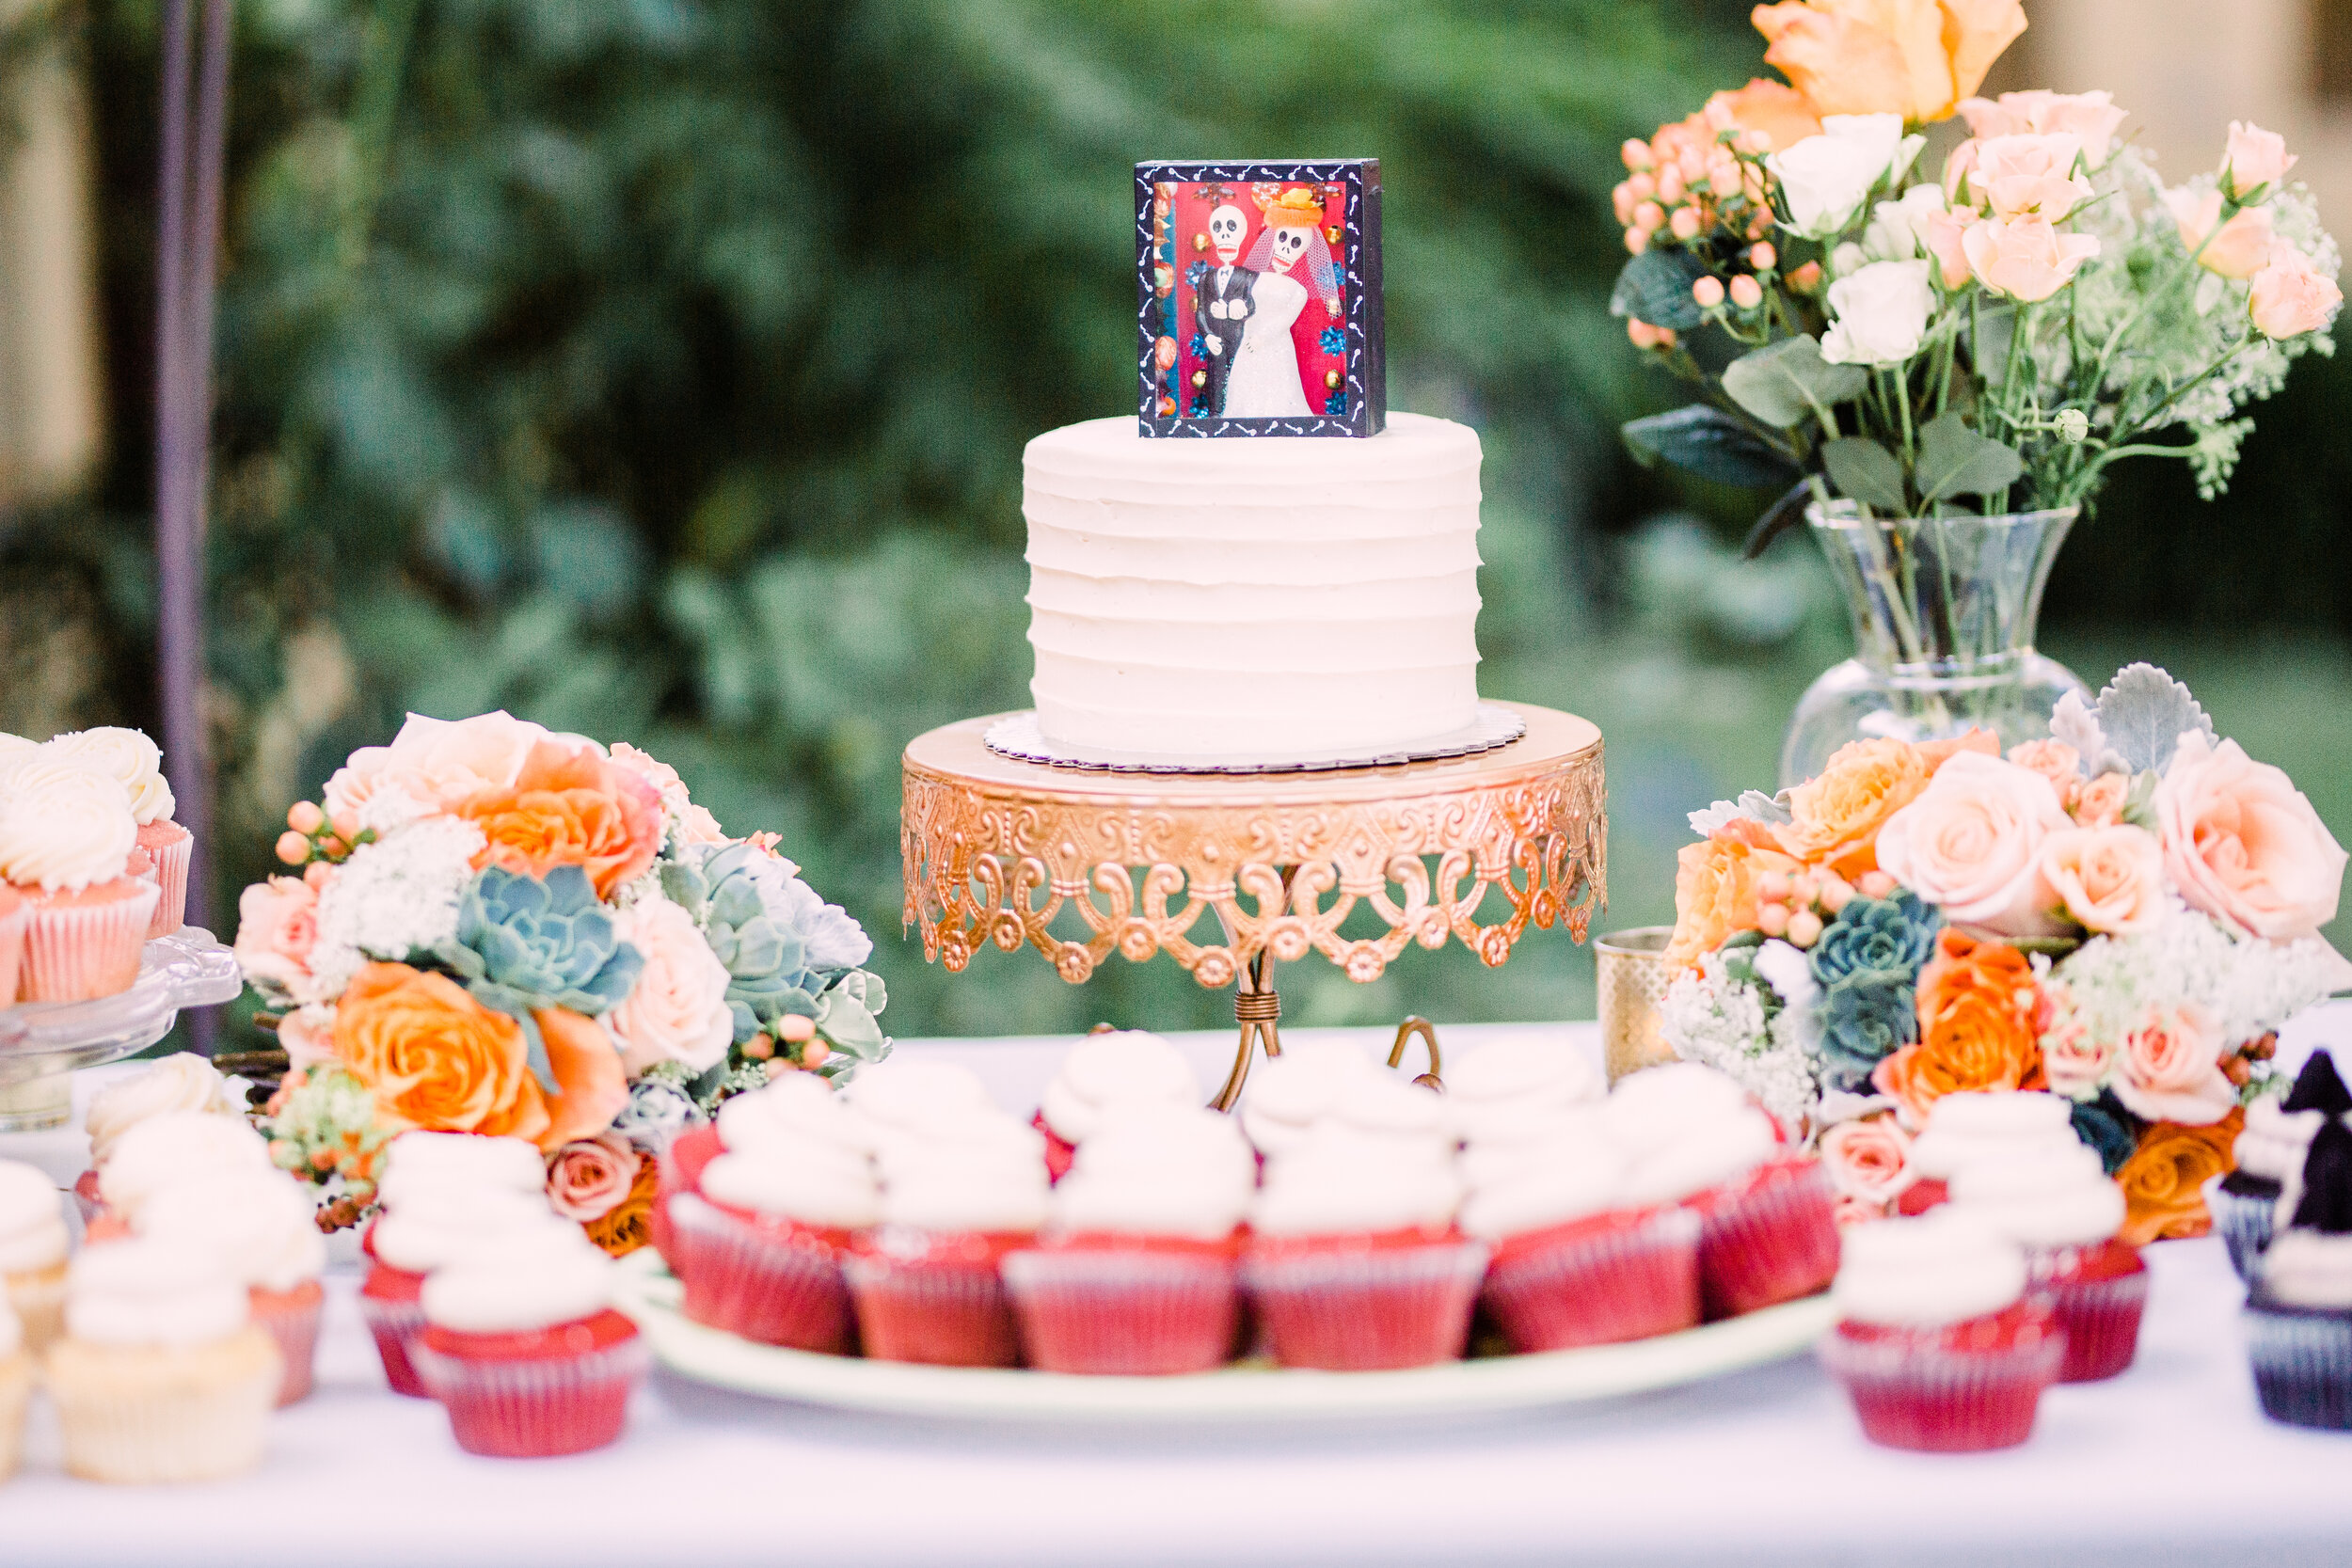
(1017, 736)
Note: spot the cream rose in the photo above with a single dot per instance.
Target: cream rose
(444, 763)
(278, 925)
(679, 1011)
(1881, 313)
(308, 1034)
(1972, 843)
(2109, 879)
(2074, 1063)
(1870, 1160)
(1827, 178)
(2170, 1068)
(2244, 844)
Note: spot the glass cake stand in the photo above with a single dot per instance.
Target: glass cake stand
(1080, 864)
(44, 1043)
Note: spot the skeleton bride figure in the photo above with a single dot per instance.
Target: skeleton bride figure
(1264, 380)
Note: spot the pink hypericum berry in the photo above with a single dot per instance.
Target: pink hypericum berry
(1772, 887)
(1762, 257)
(1837, 893)
(797, 1030)
(292, 848)
(1685, 223)
(1707, 292)
(1804, 928)
(1876, 884)
(1636, 154)
(1772, 919)
(1803, 888)
(1746, 292)
(305, 818)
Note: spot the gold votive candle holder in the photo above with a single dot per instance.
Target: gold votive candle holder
(1634, 981)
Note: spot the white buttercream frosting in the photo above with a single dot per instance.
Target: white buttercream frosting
(2274, 1140)
(2052, 1198)
(2308, 1268)
(1106, 1070)
(180, 1082)
(1564, 1182)
(416, 1160)
(1290, 1095)
(916, 1095)
(63, 826)
(1341, 1182)
(33, 1234)
(1152, 1171)
(1683, 1128)
(816, 1184)
(1992, 1124)
(263, 1229)
(434, 1227)
(558, 1282)
(1505, 1146)
(1278, 597)
(797, 1111)
(177, 1148)
(1926, 1273)
(995, 1185)
(1514, 1082)
(127, 756)
(148, 1290)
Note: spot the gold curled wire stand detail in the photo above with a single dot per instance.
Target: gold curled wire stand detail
(1079, 866)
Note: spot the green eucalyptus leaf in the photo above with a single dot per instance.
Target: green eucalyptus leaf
(1711, 444)
(1655, 287)
(1955, 460)
(1867, 472)
(1782, 383)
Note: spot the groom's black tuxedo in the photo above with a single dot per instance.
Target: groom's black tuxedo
(1225, 326)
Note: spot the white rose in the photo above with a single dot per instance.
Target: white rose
(1899, 228)
(1827, 178)
(1881, 313)
(678, 1011)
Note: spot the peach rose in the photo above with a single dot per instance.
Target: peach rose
(2109, 879)
(2091, 118)
(1868, 1159)
(2254, 159)
(435, 1058)
(588, 1179)
(568, 806)
(2027, 259)
(2243, 844)
(1715, 894)
(278, 925)
(307, 1035)
(2099, 802)
(700, 827)
(1943, 238)
(2054, 760)
(1971, 842)
(2290, 297)
(2170, 1067)
(586, 1066)
(2074, 1063)
(2241, 249)
(1935, 753)
(1835, 818)
(1976, 1030)
(2163, 1180)
(1775, 108)
(2029, 176)
(1915, 59)
(680, 1010)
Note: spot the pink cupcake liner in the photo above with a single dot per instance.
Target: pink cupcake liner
(78, 952)
(944, 1306)
(396, 1325)
(13, 928)
(1587, 1284)
(536, 1407)
(1343, 1309)
(171, 852)
(1770, 1236)
(292, 1318)
(1122, 1313)
(777, 1285)
(1919, 1393)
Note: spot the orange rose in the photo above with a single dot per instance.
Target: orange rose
(1715, 894)
(1837, 817)
(2162, 1181)
(1977, 1027)
(435, 1058)
(629, 1227)
(1916, 58)
(587, 1067)
(570, 807)
(1935, 753)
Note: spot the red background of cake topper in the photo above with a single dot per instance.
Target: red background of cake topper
(1189, 218)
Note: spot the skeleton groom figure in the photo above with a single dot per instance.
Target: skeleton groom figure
(1221, 307)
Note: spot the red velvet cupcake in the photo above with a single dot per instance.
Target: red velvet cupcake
(2059, 1206)
(1599, 1280)
(427, 1228)
(1767, 1236)
(759, 1248)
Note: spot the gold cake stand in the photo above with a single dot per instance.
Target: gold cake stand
(1080, 864)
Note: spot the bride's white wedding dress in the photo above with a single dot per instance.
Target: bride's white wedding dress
(1263, 383)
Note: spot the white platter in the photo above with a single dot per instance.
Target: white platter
(1241, 1394)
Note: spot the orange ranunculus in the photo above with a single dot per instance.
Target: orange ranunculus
(1916, 58)
(1715, 892)
(570, 807)
(435, 1058)
(1837, 817)
(587, 1067)
(1977, 1028)
(2162, 1181)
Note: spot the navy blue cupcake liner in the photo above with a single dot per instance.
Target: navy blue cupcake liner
(2243, 1225)
(2302, 1364)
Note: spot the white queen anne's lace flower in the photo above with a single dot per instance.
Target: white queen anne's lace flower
(1711, 1016)
(391, 898)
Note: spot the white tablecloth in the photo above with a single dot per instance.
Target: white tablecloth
(2169, 1464)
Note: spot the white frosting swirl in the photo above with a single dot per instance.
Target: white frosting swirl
(2308, 1268)
(2274, 1140)
(1508, 1081)
(180, 1082)
(797, 1111)
(1565, 1181)
(1103, 1071)
(1338, 1182)
(435, 1227)
(1926, 1273)
(1683, 1128)
(128, 757)
(416, 1160)
(175, 1148)
(33, 1236)
(263, 1229)
(63, 828)
(147, 1291)
(2057, 1198)
(814, 1185)
(905, 1092)
(971, 1187)
(514, 1293)
(1290, 1093)
(1992, 1124)
(1524, 1140)
(1151, 1170)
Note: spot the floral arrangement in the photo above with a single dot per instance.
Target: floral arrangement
(2121, 914)
(1992, 336)
(503, 930)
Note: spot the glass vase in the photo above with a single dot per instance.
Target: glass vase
(1944, 611)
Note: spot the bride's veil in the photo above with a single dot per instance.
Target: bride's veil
(1322, 274)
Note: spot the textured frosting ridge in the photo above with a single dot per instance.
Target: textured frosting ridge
(554, 1281)
(1278, 597)
(148, 1290)
(1992, 1125)
(174, 1148)
(1154, 1170)
(418, 1160)
(434, 1227)
(63, 826)
(815, 1183)
(1926, 1273)
(1682, 1129)
(129, 757)
(1340, 1181)
(32, 1220)
(1103, 1072)
(261, 1229)
(180, 1082)
(2048, 1198)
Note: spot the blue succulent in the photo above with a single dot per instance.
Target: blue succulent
(524, 943)
(782, 945)
(1891, 936)
(1865, 1016)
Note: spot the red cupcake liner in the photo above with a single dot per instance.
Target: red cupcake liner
(170, 846)
(1922, 1195)
(87, 1197)
(1964, 1388)
(2099, 1294)
(1364, 1303)
(1598, 1281)
(79, 952)
(395, 1317)
(1768, 1237)
(770, 1281)
(1059, 1151)
(679, 1169)
(1152, 1310)
(292, 1318)
(938, 1300)
(535, 1407)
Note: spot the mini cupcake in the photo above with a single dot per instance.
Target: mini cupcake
(66, 838)
(16, 1389)
(1136, 1274)
(926, 1279)
(137, 763)
(161, 1376)
(2269, 1152)
(33, 1245)
(180, 1082)
(265, 1231)
(433, 1227)
(1937, 1342)
(523, 1349)
(2299, 1316)
(759, 1245)
(2058, 1205)
(1105, 1073)
(1353, 1262)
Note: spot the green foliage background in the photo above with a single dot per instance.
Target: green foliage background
(659, 370)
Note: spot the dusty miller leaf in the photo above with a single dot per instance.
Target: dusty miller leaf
(2144, 713)
(1753, 806)
(2074, 723)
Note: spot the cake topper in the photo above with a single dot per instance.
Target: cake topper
(1259, 299)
